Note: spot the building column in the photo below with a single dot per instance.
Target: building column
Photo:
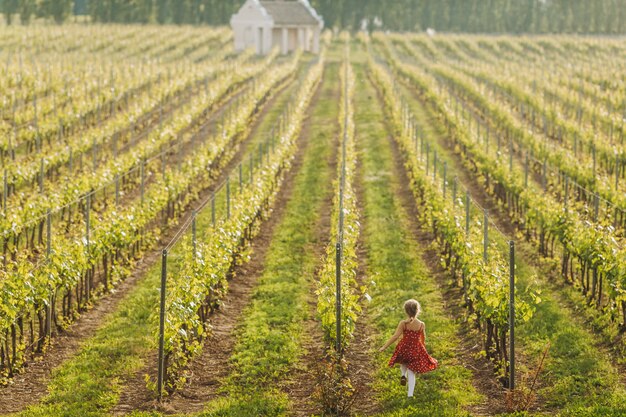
(301, 37)
(316, 40)
(267, 40)
(285, 44)
(307, 39)
(260, 41)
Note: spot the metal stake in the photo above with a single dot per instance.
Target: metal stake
(512, 315)
(161, 374)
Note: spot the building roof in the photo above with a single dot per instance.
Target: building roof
(290, 12)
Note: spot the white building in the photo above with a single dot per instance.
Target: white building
(262, 25)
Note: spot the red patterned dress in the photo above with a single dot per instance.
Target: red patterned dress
(411, 352)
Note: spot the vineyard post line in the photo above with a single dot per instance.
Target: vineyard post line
(88, 227)
(467, 212)
(194, 235)
(161, 371)
(445, 174)
(512, 315)
(338, 298)
(5, 192)
(228, 197)
(143, 180)
(48, 253)
(486, 236)
(454, 187)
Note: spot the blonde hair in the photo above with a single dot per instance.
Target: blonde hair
(412, 308)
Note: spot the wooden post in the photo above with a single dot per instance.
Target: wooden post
(486, 236)
(213, 209)
(338, 298)
(41, 173)
(117, 190)
(142, 168)
(240, 177)
(512, 315)
(454, 187)
(5, 191)
(94, 151)
(87, 237)
(445, 174)
(194, 236)
(617, 169)
(593, 150)
(566, 194)
(526, 171)
(467, 212)
(228, 197)
(161, 366)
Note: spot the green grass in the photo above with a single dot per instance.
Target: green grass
(268, 344)
(578, 379)
(397, 271)
(89, 384)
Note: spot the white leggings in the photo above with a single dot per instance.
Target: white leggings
(411, 377)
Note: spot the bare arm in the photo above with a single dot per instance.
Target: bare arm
(393, 338)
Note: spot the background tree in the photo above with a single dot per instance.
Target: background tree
(59, 10)
(27, 9)
(9, 8)
(471, 16)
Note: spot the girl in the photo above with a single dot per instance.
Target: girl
(411, 353)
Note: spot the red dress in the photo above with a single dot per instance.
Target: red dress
(411, 352)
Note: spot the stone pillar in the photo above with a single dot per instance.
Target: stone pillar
(316, 40)
(285, 43)
(267, 40)
(307, 39)
(260, 41)
(301, 38)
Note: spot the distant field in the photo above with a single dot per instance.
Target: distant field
(133, 154)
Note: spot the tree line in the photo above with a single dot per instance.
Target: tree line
(473, 16)
(26, 10)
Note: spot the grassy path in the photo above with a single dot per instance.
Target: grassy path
(209, 368)
(397, 273)
(270, 336)
(91, 382)
(578, 380)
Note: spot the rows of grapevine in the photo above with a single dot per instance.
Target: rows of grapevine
(345, 228)
(30, 209)
(98, 236)
(484, 281)
(592, 257)
(73, 100)
(596, 166)
(98, 148)
(592, 254)
(202, 266)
